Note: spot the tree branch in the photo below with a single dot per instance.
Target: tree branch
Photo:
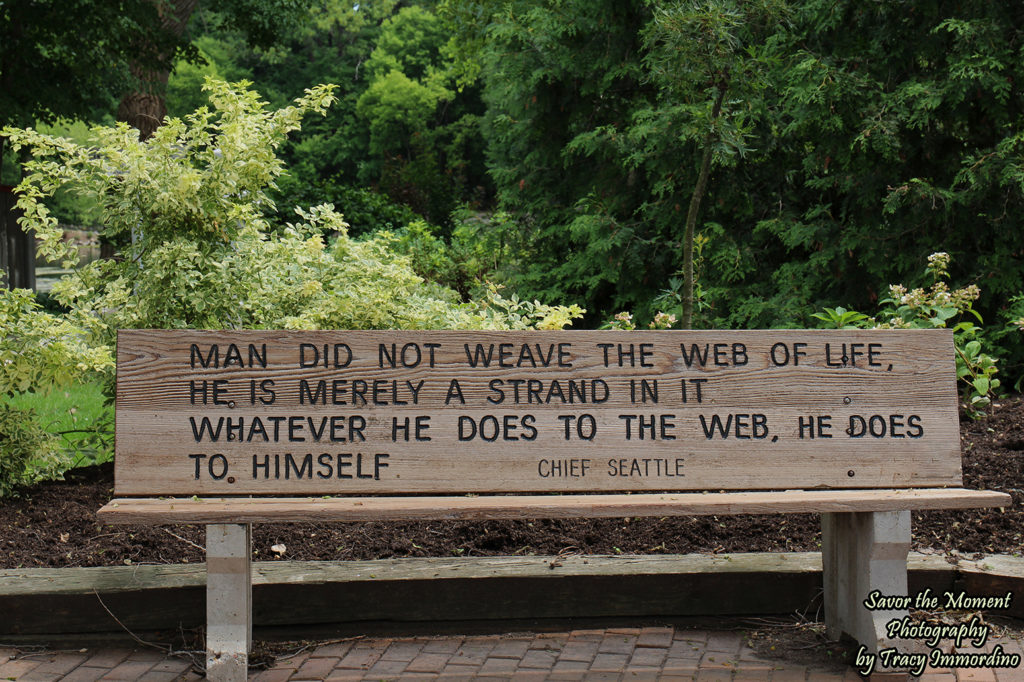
(691, 214)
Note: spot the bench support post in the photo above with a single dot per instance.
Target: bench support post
(861, 552)
(228, 601)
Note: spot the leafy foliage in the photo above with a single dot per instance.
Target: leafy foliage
(931, 308)
(69, 59)
(27, 451)
(852, 138)
(401, 128)
(42, 350)
(366, 210)
(707, 59)
(203, 177)
(469, 259)
(39, 351)
(203, 255)
(423, 130)
(200, 250)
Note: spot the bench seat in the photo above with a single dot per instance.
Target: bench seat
(297, 509)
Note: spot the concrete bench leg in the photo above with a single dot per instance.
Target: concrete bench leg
(228, 601)
(862, 552)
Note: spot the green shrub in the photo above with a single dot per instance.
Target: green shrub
(27, 452)
(1009, 338)
(365, 209)
(202, 253)
(191, 207)
(936, 306)
(40, 351)
(474, 254)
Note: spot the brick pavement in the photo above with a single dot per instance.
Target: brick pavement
(620, 654)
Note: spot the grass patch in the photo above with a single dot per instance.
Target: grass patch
(79, 416)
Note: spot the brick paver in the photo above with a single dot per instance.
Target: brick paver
(84, 674)
(386, 668)
(447, 645)
(609, 662)
(57, 663)
(529, 676)
(345, 676)
(617, 644)
(359, 659)
(159, 676)
(648, 657)
(129, 671)
(14, 669)
(620, 654)
(274, 675)
(714, 676)
(818, 676)
(681, 666)
(402, 651)
(579, 650)
(642, 675)
(107, 658)
(499, 666)
(510, 648)
(332, 650)
(428, 662)
(655, 637)
(294, 662)
(456, 669)
(316, 668)
(177, 666)
(538, 658)
(471, 653)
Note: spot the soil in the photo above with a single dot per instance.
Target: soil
(54, 524)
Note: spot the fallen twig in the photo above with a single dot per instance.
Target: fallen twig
(185, 540)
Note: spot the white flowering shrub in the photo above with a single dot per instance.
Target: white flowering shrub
(935, 307)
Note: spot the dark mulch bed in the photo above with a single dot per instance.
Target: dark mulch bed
(54, 524)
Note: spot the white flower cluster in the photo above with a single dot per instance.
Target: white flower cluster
(938, 295)
(663, 321)
(623, 321)
(938, 263)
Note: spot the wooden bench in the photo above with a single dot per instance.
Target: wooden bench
(234, 428)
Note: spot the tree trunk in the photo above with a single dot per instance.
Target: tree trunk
(17, 248)
(691, 214)
(145, 108)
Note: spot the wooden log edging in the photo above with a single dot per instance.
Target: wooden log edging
(41, 602)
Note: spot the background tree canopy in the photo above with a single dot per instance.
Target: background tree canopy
(725, 163)
(820, 151)
(853, 141)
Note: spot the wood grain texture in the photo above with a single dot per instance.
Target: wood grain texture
(24, 582)
(738, 427)
(255, 510)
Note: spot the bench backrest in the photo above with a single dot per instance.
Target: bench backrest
(367, 412)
